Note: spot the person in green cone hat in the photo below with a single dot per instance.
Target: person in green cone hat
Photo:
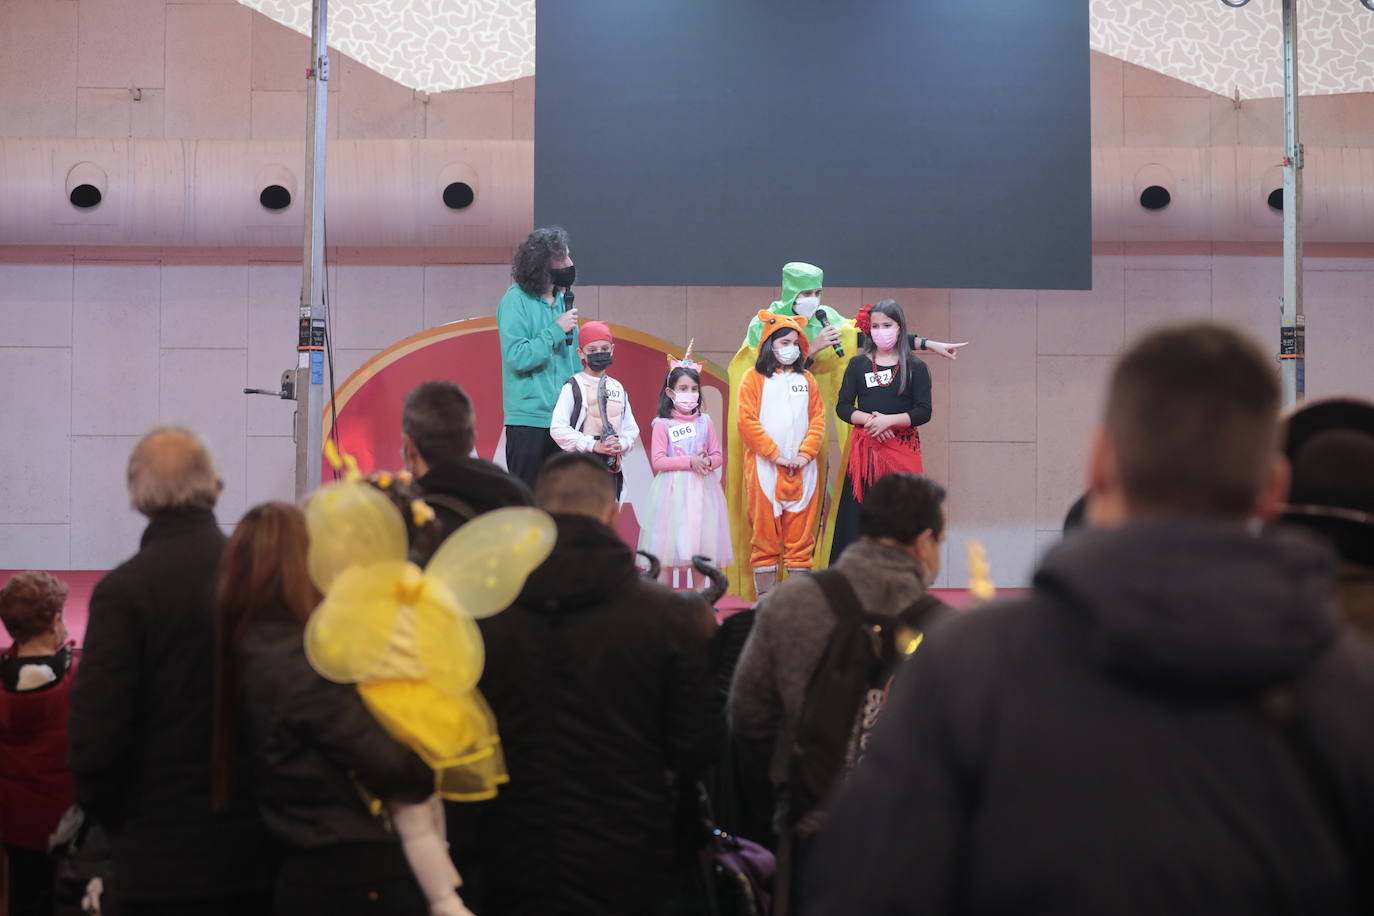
(802, 288)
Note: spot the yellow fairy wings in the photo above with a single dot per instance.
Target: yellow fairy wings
(407, 636)
(358, 560)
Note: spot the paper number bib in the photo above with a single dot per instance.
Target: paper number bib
(878, 379)
(683, 431)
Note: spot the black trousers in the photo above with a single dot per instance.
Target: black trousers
(349, 879)
(384, 897)
(32, 874)
(846, 521)
(527, 448)
(219, 906)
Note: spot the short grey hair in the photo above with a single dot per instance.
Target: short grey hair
(169, 469)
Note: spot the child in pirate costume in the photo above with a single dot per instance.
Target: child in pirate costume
(885, 396)
(408, 638)
(782, 427)
(592, 413)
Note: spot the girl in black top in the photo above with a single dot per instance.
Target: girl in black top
(885, 395)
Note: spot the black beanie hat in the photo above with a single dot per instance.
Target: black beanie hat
(1330, 445)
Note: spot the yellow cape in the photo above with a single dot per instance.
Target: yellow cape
(828, 370)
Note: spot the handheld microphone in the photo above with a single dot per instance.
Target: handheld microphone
(568, 299)
(825, 323)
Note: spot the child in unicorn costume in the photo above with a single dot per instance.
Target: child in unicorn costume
(687, 516)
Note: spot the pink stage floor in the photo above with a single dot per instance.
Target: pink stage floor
(80, 582)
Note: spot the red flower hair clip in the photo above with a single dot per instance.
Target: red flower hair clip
(864, 320)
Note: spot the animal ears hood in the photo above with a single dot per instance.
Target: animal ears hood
(773, 323)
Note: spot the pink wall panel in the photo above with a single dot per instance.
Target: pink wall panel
(38, 40)
(121, 43)
(208, 82)
(470, 115)
(1163, 296)
(989, 399)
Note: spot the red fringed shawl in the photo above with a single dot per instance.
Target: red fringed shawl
(870, 459)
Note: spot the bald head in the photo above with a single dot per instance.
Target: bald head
(170, 469)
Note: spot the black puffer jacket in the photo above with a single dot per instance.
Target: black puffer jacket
(316, 748)
(600, 685)
(1108, 744)
(480, 485)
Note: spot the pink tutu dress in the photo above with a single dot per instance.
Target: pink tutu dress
(686, 513)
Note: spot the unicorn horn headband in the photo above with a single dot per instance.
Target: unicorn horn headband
(686, 361)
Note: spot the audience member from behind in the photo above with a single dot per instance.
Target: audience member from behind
(319, 755)
(36, 674)
(141, 704)
(438, 431)
(1171, 722)
(599, 682)
(885, 572)
(1330, 445)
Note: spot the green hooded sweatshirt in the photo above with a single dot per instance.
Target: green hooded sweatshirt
(536, 358)
(796, 276)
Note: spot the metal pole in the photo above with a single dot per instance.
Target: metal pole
(1292, 325)
(310, 392)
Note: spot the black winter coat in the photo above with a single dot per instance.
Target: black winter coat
(316, 749)
(141, 719)
(600, 684)
(480, 484)
(1100, 746)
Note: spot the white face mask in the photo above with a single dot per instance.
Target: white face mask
(806, 305)
(787, 354)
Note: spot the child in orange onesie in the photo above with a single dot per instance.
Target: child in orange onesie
(782, 427)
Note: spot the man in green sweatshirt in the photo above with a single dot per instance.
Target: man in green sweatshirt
(538, 347)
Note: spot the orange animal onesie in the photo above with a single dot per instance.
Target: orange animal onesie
(781, 416)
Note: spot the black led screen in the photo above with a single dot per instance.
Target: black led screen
(931, 143)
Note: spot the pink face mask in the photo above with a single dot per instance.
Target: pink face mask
(885, 338)
(686, 402)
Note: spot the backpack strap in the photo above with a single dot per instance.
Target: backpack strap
(453, 504)
(577, 403)
(839, 594)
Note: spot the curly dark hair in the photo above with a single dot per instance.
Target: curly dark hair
(529, 268)
(29, 603)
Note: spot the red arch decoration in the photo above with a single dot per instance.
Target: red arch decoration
(469, 353)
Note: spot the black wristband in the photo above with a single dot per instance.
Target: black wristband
(923, 343)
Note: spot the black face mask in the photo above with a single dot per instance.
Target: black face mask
(599, 360)
(563, 276)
